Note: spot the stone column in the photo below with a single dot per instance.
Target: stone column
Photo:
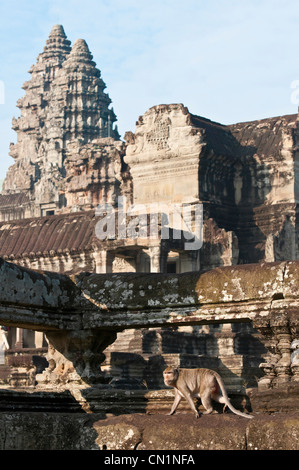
(282, 333)
(155, 259)
(189, 261)
(279, 330)
(142, 262)
(19, 338)
(294, 327)
(104, 260)
(39, 339)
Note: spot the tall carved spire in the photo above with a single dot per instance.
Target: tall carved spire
(64, 108)
(33, 106)
(78, 95)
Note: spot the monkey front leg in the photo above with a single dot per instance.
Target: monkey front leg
(187, 395)
(193, 407)
(177, 399)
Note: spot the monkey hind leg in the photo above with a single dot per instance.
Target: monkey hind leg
(207, 404)
(219, 399)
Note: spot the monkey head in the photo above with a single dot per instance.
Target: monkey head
(170, 375)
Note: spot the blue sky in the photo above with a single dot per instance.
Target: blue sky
(227, 60)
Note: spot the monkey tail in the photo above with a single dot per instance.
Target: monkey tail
(227, 400)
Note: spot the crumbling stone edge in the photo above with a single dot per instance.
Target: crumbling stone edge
(184, 432)
(80, 431)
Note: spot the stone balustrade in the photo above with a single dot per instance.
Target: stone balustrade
(82, 314)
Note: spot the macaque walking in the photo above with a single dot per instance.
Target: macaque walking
(200, 383)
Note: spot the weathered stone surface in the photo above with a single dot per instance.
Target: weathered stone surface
(164, 143)
(42, 301)
(277, 433)
(241, 283)
(120, 436)
(282, 399)
(46, 431)
(215, 296)
(137, 420)
(114, 300)
(185, 435)
(92, 308)
(214, 432)
(72, 431)
(68, 157)
(75, 357)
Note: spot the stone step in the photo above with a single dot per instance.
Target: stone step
(34, 401)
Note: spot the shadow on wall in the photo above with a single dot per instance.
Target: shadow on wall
(64, 425)
(235, 351)
(233, 183)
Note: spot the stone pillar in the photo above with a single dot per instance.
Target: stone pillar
(19, 338)
(142, 262)
(104, 261)
(39, 339)
(282, 333)
(279, 330)
(294, 327)
(155, 259)
(189, 261)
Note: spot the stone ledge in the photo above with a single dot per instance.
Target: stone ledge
(46, 431)
(184, 432)
(278, 400)
(137, 420)
(60, 431)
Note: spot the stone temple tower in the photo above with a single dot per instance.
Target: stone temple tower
(64, 111)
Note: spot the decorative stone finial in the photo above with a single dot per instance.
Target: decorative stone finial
(57, 30)
(80, 58)
(57, 45)
(81, 45)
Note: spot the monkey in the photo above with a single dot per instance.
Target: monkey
(205, 384)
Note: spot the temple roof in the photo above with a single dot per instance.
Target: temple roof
(217, 136)
(42, 235)
(13, 200)
(261, 137)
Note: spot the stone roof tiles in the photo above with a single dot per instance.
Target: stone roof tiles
(12, 200)
(263, 137)
(58, 233)
(218, 136)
